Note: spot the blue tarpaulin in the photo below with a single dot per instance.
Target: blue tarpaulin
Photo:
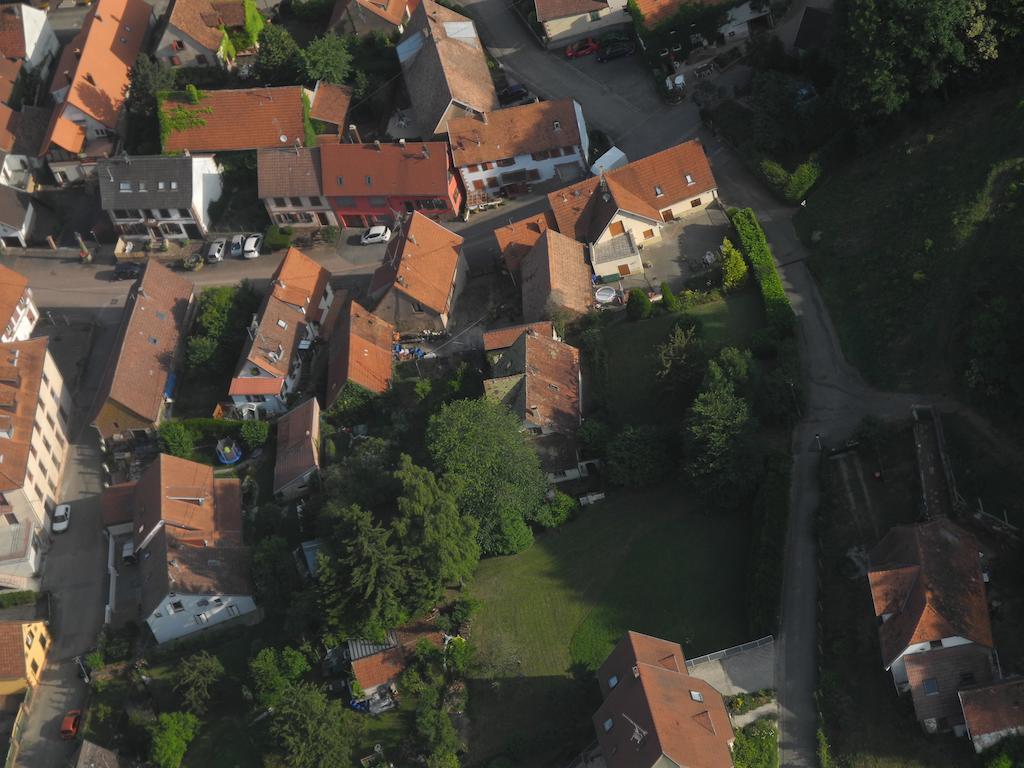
(172, 379)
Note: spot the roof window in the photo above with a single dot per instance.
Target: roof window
(557, 125)
(174, 185)
(613, 681)
(142, 186)
(696, 695)
(369, 181)
(658, 192)
(341, 181)
(689, 180)
(931, 686)
(608, 725)
(125, 186)
(160, 185)
(282, 324)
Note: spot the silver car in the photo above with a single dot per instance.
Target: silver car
(61, 518)
(376, 234)
(251, 249)
(215, 252)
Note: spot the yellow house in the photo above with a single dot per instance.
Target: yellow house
(23, 649)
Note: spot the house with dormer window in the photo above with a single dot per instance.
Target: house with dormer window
(281, 334)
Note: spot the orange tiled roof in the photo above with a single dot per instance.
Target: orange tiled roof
(202, 20)
(656, 11)
(330, 104)
(929, 578)
(520, 130)
(12, 33)
(12, 651)
(228, 120)
(65, 134)
(21, 373)
(358, 170)
(583, 210)
(298, 443)
(385, 666)
(555, 274)
(994, 708)
(500, 338)
(421, 262)
(360, 352)
(948, 667)
(12, 288)
(515, 240)
(108, 44)
(560, 9)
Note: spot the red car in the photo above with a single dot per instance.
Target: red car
(582, 48)
(69, 726)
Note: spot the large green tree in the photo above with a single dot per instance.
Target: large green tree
(328, 59)
(498, 476)
(717, 434)
(279, 60)
(146, 79)
(170, 736)
(311, 730)
(364, 476)
(197, 676)
(273, 671)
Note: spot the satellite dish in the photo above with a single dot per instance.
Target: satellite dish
(283, 139)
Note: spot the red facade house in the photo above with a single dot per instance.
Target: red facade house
(368, 184)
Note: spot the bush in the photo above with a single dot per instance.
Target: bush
(825, 751)
(669, 300)
(14, 598)
(638, 306)
(801, 180)
(755, 245)
(254, 434)
(757, 746)
(734, 268)
(177, 439)
(278, 238)
(745, 702)
(330, 234)
(557, 511)
(171, 735)
(594, 436)
(637, 457)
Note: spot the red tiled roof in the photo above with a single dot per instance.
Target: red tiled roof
(656, 11)
(555, 274)
(360, 352)
(387, 665)
(65, 134)
(12, 32)
(946, 670)
(12, 288)
(520, 130)
(929, 577)
(298, 443)
(12, 651)
(108, 44)
(561, 9)
(228, 120)
(255, 385)
(582, 212)
(330, 103)
(994, 708)
(421, 262)
(202, 20)
(515, 240)
(358, 170)
(500, 338)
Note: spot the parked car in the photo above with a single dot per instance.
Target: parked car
(512, 95)
(61, 518)
(70, 724)
(251, 249)
(615, 36)
(215, 251)
(580, 48)
(377, 234)
(127, 270)
(237, 245)
(615, 51)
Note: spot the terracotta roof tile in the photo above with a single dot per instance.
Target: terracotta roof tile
(298, 443)
(515, 240)
(443, 61)
(29, 127)
(419, 169)
(946, 670)
(929, 577)
(21, 373)
(392, 11)
(12, 32)
(152, 328)
(360, 352)
(560, 9)
(63, 133)
(330, 103)
(555, 274)
(250, 118)
(683, 718)
(13, 286)
(386, 665)
(656, 11)
(994, 708)
(292, 172)
(581, 211)
(202, 19)
(12, 651)
(10, 71)
(109, 41)
(421, 262)
(500, 338)
(513, 131)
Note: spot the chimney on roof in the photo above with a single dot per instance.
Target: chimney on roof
(89, 78)
(376, 143)
(483, 116)
(426, 152)
(78, 53)
(412, 239)
(353, 134)
(636, 671)
(557, 125)
(401, 143)
(67, 74)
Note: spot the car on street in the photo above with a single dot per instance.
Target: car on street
(513, 95)
(215, 251)
(377, 234)
(237, 244)
(61, 518)
(616, 36)
(251, 248)
(615, 51)
(70, 724)
(127, 270)
(580, 48)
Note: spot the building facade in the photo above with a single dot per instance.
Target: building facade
(567, 20)
(24, 646)
(291, 190)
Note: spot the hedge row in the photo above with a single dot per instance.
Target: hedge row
(755, 246)
(791, 186)
(16, 598)
(769, 524)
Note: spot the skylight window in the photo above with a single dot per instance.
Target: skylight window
(696, 695)
(689, 180)
(160, 185)
(608, 725)
(125, 186)
(658, 192)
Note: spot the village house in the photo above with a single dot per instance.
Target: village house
(289, 186)
(89, 86)
(21, 138)
(297, 464)
(28, 47)
(423, 273)
(935, 635)
(138, 385)
(555, 278)
(187, 539)
(17, 215)
(286, 325)
(445, 68)
(17, 306)
(655, 714)
(376, 666)
(35, 410)
(537, 377)
(505, 151)
(200, 33)
(369, 184)
(516, 239)
(360, 352)
(993, 712)
(361, 17)
(24, 646)
(157, 197)
(567, 20)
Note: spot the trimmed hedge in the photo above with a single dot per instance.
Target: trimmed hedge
(770, 516)
(16, 598)
(755, 246)
(791, 186)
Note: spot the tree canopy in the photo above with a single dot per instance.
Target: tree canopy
(197, 675)
(311, 730)
(170, 736)
(279, 60)
(328, 59)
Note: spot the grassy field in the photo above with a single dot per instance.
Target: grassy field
(550, 615)
(910, 240)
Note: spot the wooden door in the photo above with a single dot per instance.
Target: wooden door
(667, 215)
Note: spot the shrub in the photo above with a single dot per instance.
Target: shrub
(825, 752)
(801, 180)
(171, 735)
(594, 436)
(669, 300)
(637, 457)
(330, 234)
(254, 434)
(557, 510)
(755, 245)
(194, 94)
(94, 660)
(638, 306)
(757, 746)
(278, 238)
(734, 268)
(177, 439)
(744, 702)
(14, 598)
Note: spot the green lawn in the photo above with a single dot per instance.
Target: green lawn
(643, 561)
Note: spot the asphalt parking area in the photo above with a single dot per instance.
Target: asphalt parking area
(627, 77)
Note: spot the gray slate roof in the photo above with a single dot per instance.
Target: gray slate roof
(145, 174)
(291, 172)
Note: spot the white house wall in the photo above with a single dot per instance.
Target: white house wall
(561, 31)
(581, 126)
(187, 55)
(207, 187)
(899, 668)
(26, 227)
(41, 43)
(631, 223)
(545, 167)
(200, 613)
